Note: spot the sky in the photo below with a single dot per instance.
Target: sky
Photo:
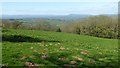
(59, 0)
(60, 8)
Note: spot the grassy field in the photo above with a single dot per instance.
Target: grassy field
(43, 48)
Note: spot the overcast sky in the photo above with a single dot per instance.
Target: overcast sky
(60, 8)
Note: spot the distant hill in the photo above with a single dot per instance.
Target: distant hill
(59, 17)
(52, 17)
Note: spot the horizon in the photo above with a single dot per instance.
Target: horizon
(55, 15)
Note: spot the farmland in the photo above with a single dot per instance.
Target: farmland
(45, 48)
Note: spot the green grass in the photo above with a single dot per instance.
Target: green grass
(59, 48)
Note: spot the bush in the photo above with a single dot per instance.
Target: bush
(58, 30)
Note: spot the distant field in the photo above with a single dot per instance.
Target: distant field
(43, 48)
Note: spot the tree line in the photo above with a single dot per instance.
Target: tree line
(98, 26)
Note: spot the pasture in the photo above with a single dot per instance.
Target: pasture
(45, 48)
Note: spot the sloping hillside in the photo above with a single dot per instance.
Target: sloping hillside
(42, 48)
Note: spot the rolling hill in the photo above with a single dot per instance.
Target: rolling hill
(44, 48)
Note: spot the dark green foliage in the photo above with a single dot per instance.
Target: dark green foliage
(58, 30)
(78, 30)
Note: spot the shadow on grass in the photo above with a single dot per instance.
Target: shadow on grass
(22, 38)
(4, 30)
